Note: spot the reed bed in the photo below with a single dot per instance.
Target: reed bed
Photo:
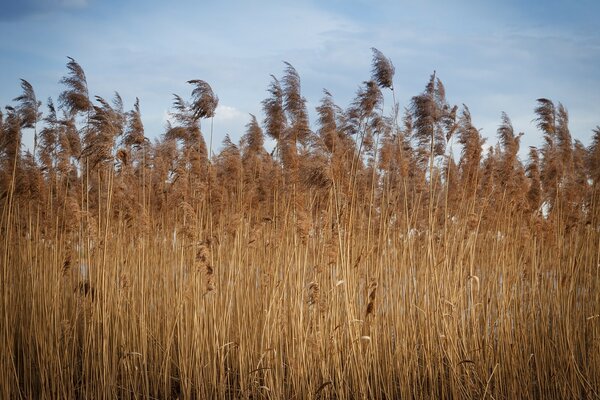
(354, 267)
(263, 312)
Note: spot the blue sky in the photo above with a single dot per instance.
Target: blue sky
(492, 56)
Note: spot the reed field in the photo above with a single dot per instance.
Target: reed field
(382, 251)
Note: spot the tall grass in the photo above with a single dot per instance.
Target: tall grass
(259, 279)
(284, 314)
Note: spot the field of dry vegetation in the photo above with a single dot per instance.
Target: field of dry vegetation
(380, 254)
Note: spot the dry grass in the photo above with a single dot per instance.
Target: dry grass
(270, 315)
(347, 273)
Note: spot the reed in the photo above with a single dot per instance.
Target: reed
(335, 268)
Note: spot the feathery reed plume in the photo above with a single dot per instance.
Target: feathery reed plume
(30, 182)
(254, 162)
(229, 165)
(10, 141)
(328, 131)
(432, 120)
(382, 70)
(275, 119)
(318, 173)
(204, 101)
(472, 146)
(564, 142)
(534, 194)
(28, 107)
(510, 171)
(295, 106)
(507, 136)
(368, 99)
(551, 163)
(29, 110)
(181, 111)
(488, 174)
(134, 133)
(107, 123)
(193, 162)
(49, 140)
(75, 98)
(546, 118)
(69, 145)
(203, 264)
(253, 141)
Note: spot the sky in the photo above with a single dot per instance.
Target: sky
(493, 56)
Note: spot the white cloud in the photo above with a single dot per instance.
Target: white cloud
(228, 121)
(228, 113)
